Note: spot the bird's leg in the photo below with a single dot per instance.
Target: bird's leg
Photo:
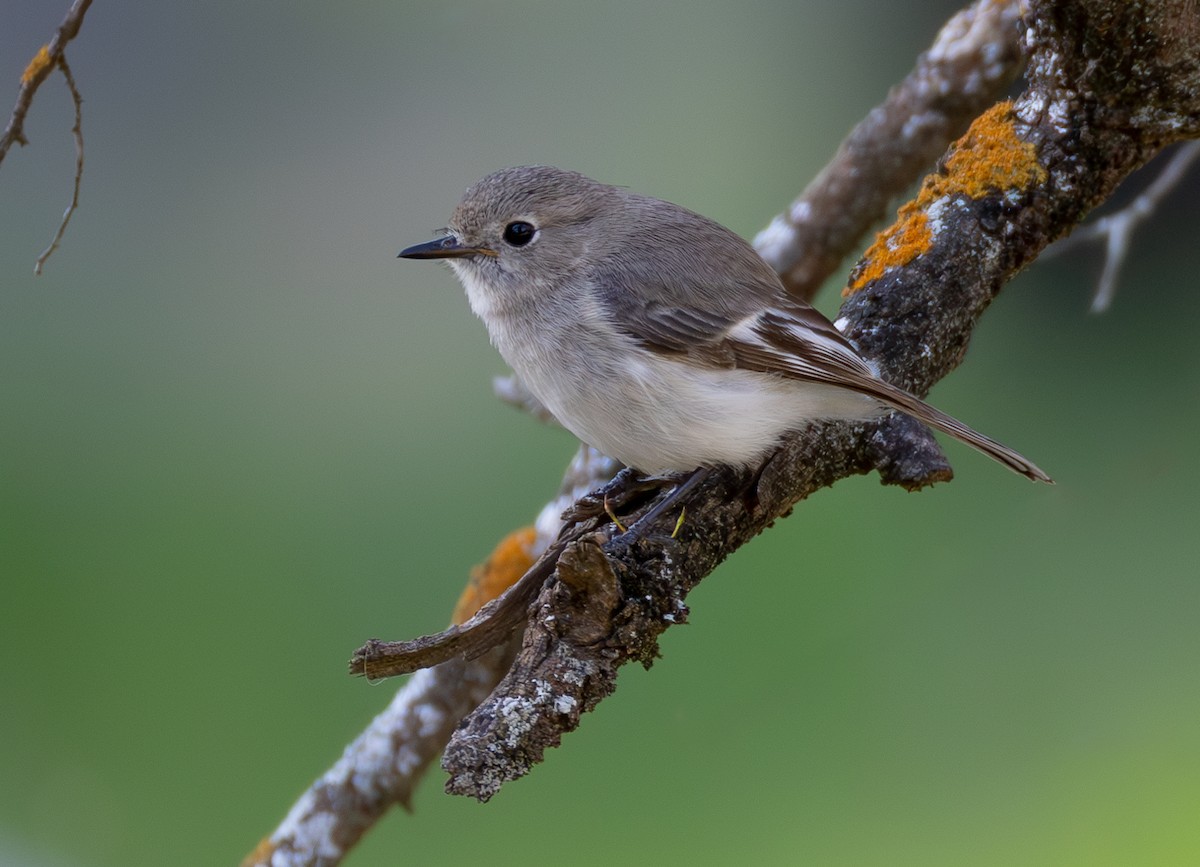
(625, 487)
(668, 502)
(617, 493)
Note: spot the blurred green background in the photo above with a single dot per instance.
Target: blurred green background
(238, 437)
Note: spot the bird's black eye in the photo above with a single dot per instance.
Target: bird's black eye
(519, 234)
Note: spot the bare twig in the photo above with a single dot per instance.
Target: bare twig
(77, 131)
(492, 625)
(48, 58)
(43, 63)
(974, 58)
(1116, 229)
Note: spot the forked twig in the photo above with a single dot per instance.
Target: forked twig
(1116, 229)
(48, 58)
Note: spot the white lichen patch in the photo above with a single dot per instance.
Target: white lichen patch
(308, 831)
(1060, 116)
(572, 676)
(1031, 107)
(314, 837)
(917, 125)
(515, 717)
(935, 215)
(773, 241)
(407, 761)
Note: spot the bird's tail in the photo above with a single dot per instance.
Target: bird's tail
(947, 424)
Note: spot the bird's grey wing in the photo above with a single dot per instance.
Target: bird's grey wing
(799, 342)
(789, 338)
(692, 335)
(678, 284)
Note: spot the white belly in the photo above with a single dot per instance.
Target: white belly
(662, 415)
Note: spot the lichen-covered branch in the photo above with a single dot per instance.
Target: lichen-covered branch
(1110, 84)
(971, 62)
(384, 764)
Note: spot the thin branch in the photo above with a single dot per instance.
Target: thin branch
(493, 624)
(77, 132)
(48, 58)
(43, 63)
(383, 764)
(1116, 229)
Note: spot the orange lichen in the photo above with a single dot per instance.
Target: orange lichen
(40, 61)
(902, 242)
(261, 855)
(508, 562)
(990, 158)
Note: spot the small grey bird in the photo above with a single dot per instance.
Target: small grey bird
(654, 334)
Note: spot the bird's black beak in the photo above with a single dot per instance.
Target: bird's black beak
(443, 248)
